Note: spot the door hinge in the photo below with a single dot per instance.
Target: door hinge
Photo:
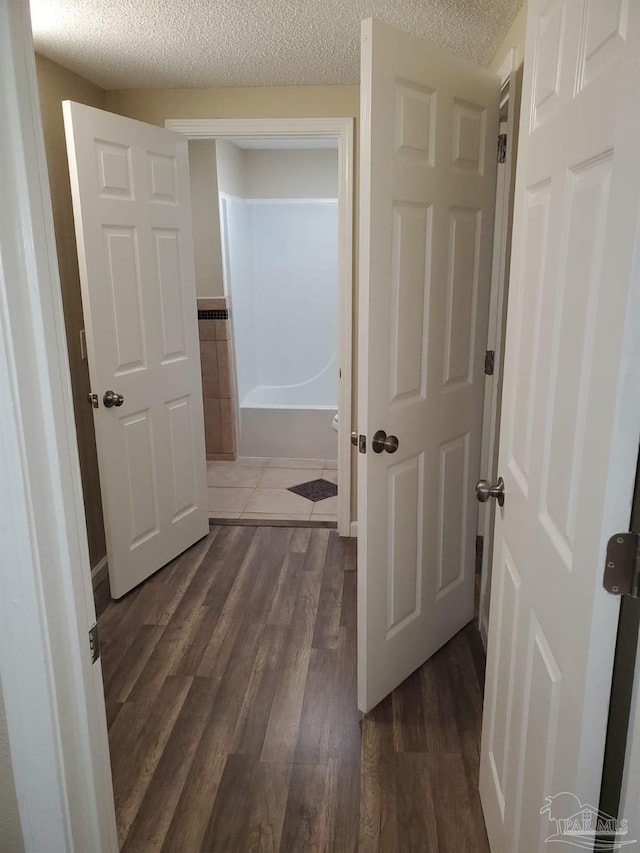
(93, 400)
(489, 362)
(94, 642)
(622, 569)
(502, 148)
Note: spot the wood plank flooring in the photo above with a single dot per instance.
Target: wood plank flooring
(230, 684)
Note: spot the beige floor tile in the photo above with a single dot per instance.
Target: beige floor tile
(225, 474)
(297, 463)
(276, 516)
(283, 478)
(277, 501)
(330, 475)
(331, 463)
(228, 499)
(329, 506)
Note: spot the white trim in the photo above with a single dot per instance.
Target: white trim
(99, 572)
(266, 128)
(508, 66)
(495, 334)
(53, 695)
(354, 529)
(342, 130)
(264, 200)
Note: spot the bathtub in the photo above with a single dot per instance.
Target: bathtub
(292, 421)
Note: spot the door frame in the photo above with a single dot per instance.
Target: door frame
(510, 94)
(340, 129)
(53, 694)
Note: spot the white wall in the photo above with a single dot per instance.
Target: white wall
(10, 830)
(237, 252)
(277, 173)
(294, 173)
(230, 163)
(206, 223)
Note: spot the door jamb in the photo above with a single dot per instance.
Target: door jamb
(510, 80)
(331, 128)
(53, 695)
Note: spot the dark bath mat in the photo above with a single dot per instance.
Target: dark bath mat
(315, 490)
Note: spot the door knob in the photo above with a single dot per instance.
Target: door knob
(381, 441)
(112, 399)
(484, 491)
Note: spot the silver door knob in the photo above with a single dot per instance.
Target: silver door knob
(484, 491)
(111, 398)
(381, 441)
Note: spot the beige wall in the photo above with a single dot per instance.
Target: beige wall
(291, 173)
(56, 84)
(514, 38)
(10, 830)
(206, 221)
(155, 105)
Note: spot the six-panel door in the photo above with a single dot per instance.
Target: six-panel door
(569, 429)
(428, 170)
(133, 223)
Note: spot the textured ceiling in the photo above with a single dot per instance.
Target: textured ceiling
(124, 44)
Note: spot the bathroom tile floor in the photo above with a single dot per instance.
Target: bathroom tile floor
(257, 488)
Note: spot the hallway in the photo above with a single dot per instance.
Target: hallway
(230, 683)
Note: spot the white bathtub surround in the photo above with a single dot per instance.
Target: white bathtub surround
(281, 271)
(287, 431)
(258, 488)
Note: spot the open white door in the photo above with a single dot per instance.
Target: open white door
(571, 418)
(130, 187)
(428, 168)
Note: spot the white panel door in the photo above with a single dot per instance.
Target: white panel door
(428, 169)
(570, 417)
(130, 187)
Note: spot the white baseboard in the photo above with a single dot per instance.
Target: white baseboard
(354, 529)
(99, 572)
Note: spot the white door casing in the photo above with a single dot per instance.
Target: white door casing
(510, 94)
(570, 416)
(130, 188)
(53, 695)
(428, 167)
(340, 129)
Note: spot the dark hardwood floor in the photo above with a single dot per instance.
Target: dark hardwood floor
(230, 683)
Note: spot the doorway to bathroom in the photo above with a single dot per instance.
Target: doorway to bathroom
(272, 224)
